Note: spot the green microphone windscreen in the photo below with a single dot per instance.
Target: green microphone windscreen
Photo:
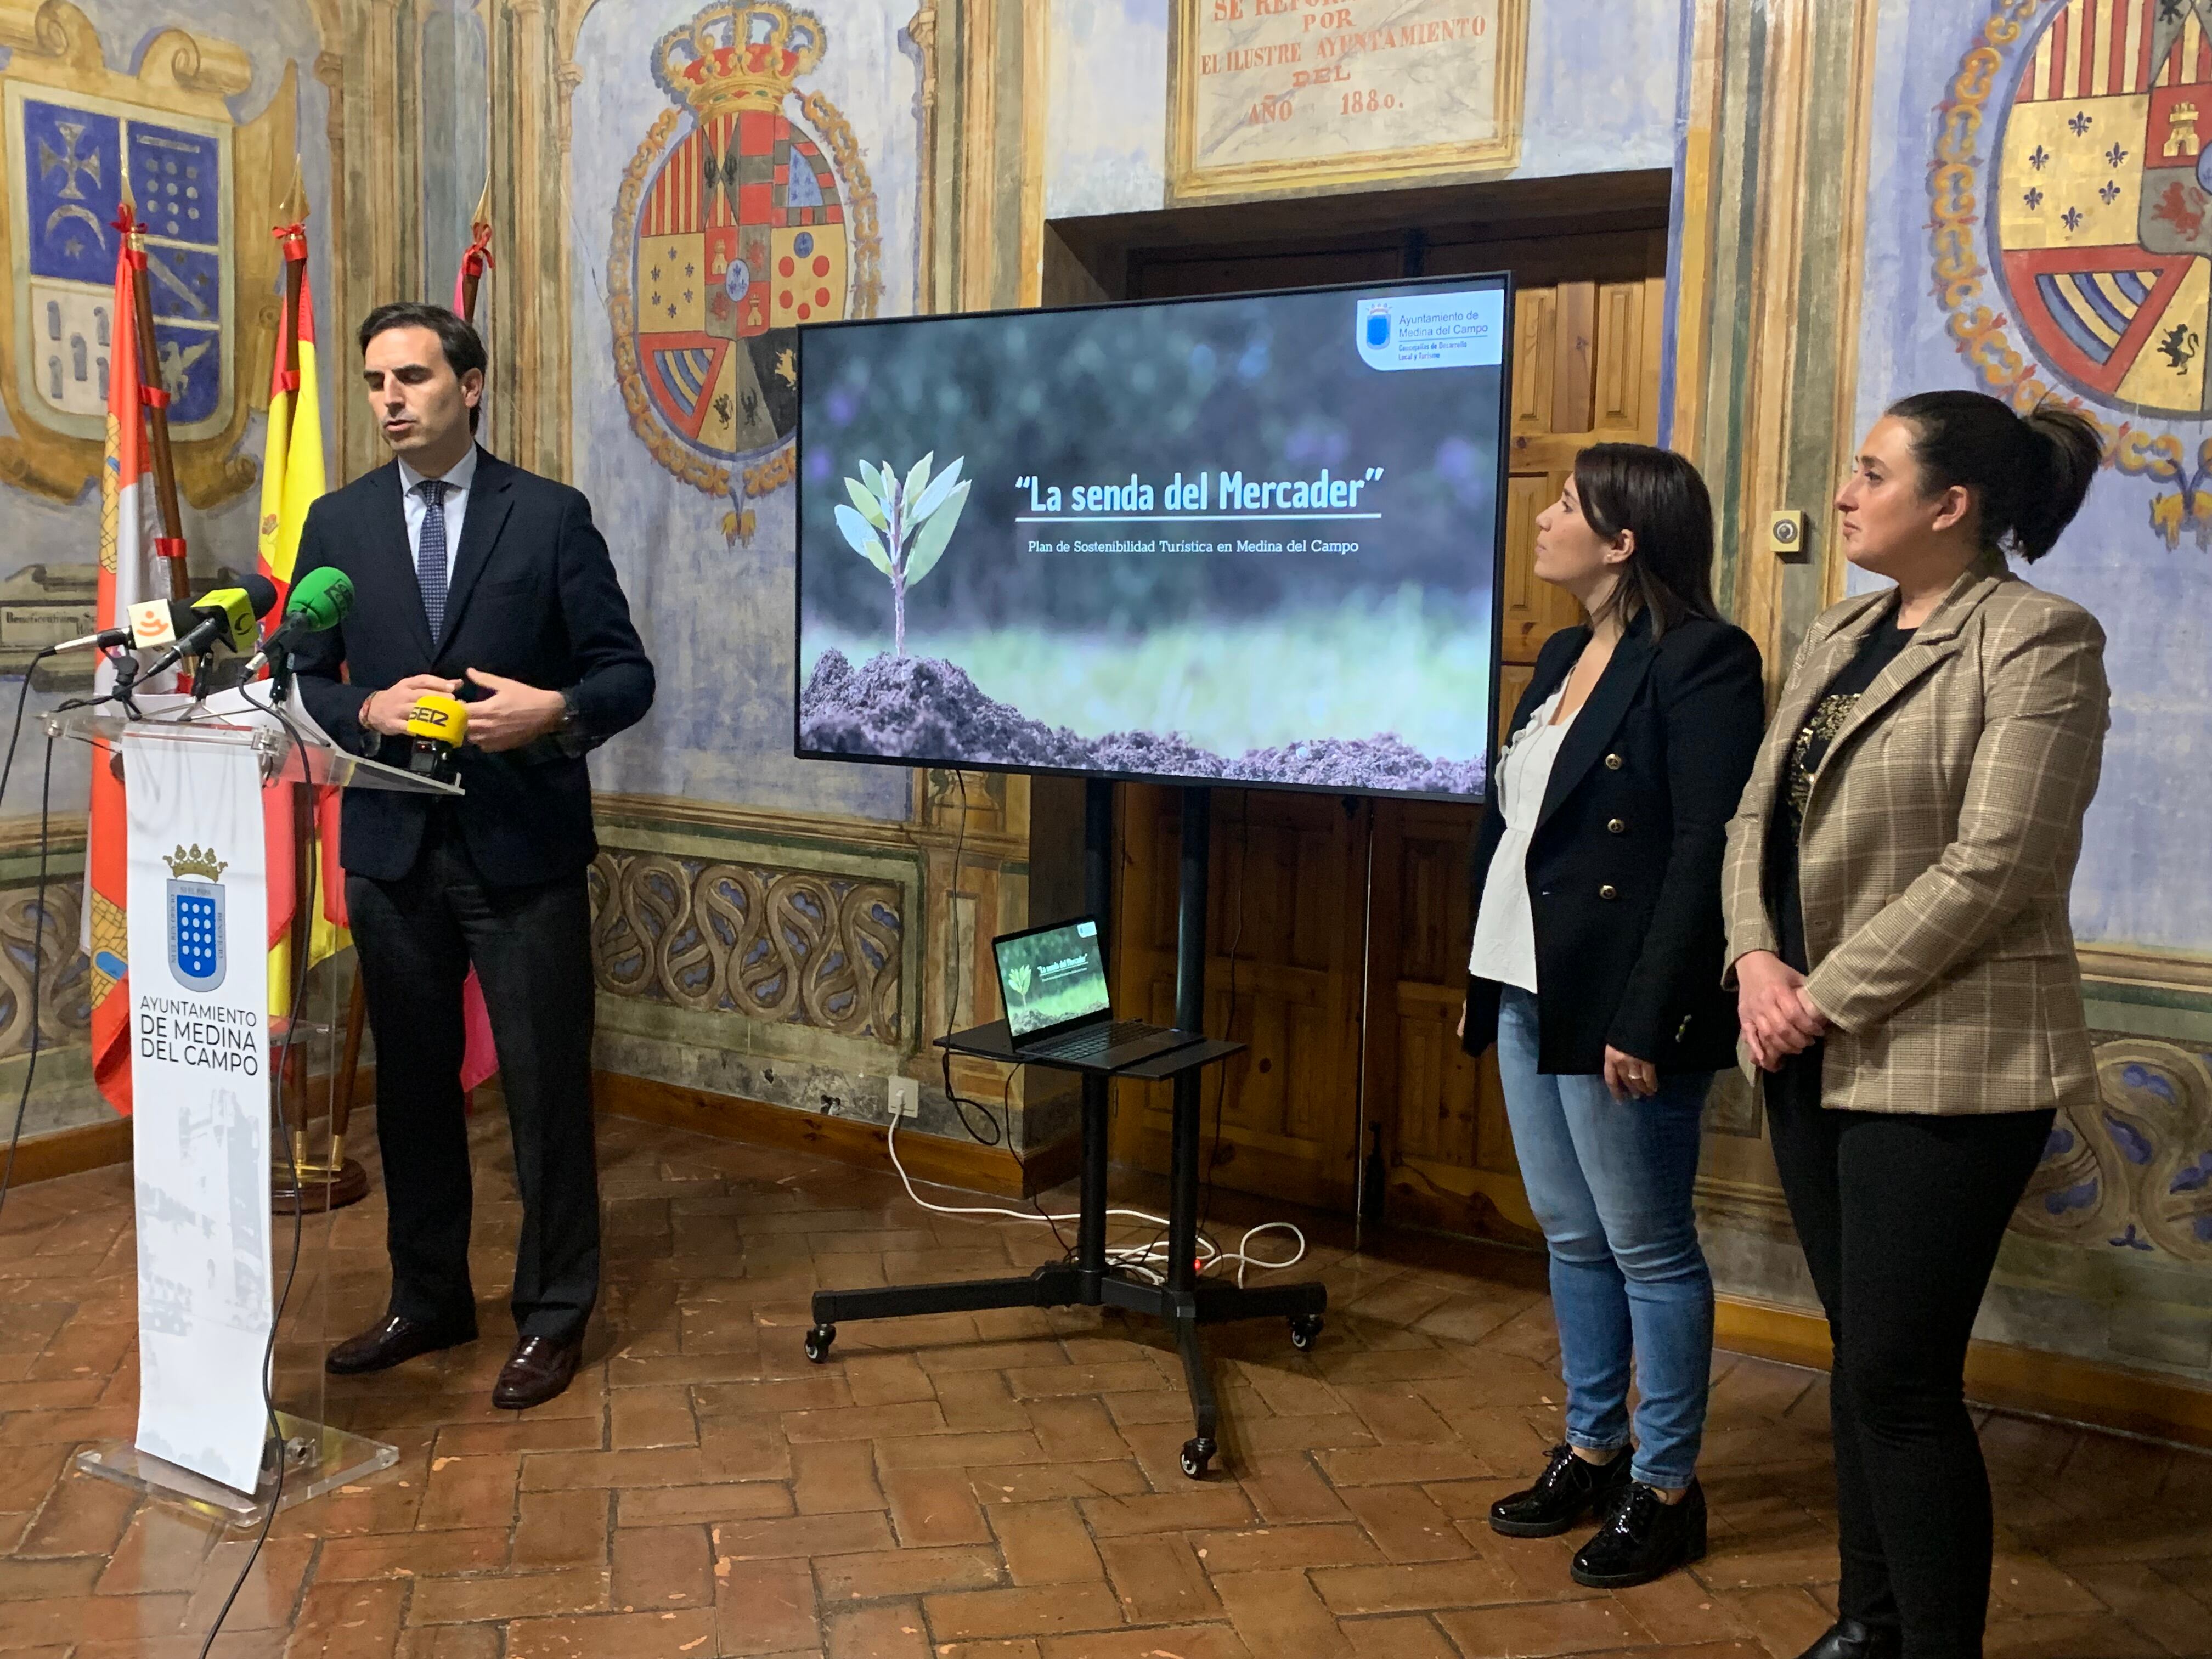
(321, 600)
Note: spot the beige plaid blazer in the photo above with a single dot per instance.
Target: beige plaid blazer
(1938, 849)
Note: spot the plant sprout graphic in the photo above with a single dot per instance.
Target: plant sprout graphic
(902, 528)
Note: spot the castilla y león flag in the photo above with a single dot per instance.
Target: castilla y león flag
(127, 576)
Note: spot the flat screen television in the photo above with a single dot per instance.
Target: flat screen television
(1252, 539)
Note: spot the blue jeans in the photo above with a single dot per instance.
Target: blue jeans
(1610, 1182)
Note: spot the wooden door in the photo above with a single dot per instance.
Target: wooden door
(1284, 933)
(1289, 894)
(1586, 370)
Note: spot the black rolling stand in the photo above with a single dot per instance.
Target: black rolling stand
(1184, 1300)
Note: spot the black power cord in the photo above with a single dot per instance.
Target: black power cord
(283, 1058)
(1229, 1027)
(122, 694)
(961, 1104)
(39, 914)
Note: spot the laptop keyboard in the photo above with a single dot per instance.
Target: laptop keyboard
(1095, 1040)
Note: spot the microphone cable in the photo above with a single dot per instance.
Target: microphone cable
(39, 913)
(283, 1055)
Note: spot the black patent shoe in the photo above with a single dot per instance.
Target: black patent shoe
(1847, 1639)
(1569, 1488)
(1643, 1539)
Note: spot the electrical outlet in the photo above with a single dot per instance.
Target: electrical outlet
(905, 1097)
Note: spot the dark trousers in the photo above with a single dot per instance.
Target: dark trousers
(531, 947)
(1900, 1217)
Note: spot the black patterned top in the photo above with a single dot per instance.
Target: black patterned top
(1808, 754)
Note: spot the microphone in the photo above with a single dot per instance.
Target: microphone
(151, 622)
(438, 725)
(226, 617)
(107, 640)
(319, 602)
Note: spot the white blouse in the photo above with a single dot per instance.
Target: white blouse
(1504, 926)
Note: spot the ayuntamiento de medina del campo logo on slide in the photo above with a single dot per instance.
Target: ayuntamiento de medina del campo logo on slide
(196, 957)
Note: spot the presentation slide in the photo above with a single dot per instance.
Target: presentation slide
(1252, 539)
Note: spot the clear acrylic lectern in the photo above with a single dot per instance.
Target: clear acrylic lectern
(308, 1159)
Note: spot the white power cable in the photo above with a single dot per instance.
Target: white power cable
(1137, 1261)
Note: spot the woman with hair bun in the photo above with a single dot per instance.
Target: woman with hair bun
(1896, 888)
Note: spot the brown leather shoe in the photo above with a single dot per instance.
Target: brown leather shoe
(538, 1370)
(389, 1341)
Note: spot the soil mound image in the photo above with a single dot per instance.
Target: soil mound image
(925, 706)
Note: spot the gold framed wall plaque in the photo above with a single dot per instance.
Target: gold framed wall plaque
(1268, 96)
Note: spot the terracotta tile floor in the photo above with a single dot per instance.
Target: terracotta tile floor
(993, 1486)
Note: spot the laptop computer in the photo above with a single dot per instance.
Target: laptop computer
(1053, 980)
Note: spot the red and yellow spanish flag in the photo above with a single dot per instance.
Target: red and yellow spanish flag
(292, 478)
(127, 577)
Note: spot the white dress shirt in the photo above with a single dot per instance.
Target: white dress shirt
(458, 481)
(1505, 925)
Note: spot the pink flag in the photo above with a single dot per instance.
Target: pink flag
(479, 1060)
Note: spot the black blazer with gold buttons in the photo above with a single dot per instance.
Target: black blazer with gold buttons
(1624, 866)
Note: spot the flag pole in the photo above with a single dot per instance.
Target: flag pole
(292, 236)
(327, 1183)
(154, 393)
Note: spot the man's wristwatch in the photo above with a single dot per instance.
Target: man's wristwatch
(571, 716)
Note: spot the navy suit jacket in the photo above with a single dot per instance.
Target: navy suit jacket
(533, 597)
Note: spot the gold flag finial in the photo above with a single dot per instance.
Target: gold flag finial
(292, 208)
(481, 219)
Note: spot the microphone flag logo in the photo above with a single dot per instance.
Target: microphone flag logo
(197, 958)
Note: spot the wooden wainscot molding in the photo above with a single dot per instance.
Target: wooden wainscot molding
(2021, 1380)
(962, 1164)
(72, 1152)
(58, 243)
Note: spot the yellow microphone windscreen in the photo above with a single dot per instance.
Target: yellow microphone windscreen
(440, 718)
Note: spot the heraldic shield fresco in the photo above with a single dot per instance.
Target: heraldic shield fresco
(77, 136)
(2072, 190)
(746, 211)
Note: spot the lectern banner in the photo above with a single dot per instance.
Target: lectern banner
(197, 915)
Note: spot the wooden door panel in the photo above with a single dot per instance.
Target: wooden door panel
(1533, 610)
(1284, 893)
(1587, 370)
(1289, 892)
(1574, 358)
(1513, 679)
(1535, 320)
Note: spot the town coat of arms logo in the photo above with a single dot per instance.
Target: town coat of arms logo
(2072, 197)
(745, 213)
(77, 134)
(197, 958)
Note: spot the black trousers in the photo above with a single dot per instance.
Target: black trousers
(531, 947)
(1900, 1217)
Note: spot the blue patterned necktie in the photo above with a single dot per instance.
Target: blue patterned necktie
(430, 559)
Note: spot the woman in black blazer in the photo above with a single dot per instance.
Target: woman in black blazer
(1595, 967)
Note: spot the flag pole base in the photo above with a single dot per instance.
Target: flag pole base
(319, 1187)
(318, 1459)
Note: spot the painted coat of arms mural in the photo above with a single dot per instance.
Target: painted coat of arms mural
(2072, 197)
(745, 213)
(2072, 190)
(77, 134)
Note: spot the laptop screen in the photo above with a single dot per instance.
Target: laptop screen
(1051, 977)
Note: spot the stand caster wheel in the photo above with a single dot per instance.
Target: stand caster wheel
(1305, 1331)
(1196, 1454)
(818, 1342)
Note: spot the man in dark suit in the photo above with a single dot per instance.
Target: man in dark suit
(476, 579)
